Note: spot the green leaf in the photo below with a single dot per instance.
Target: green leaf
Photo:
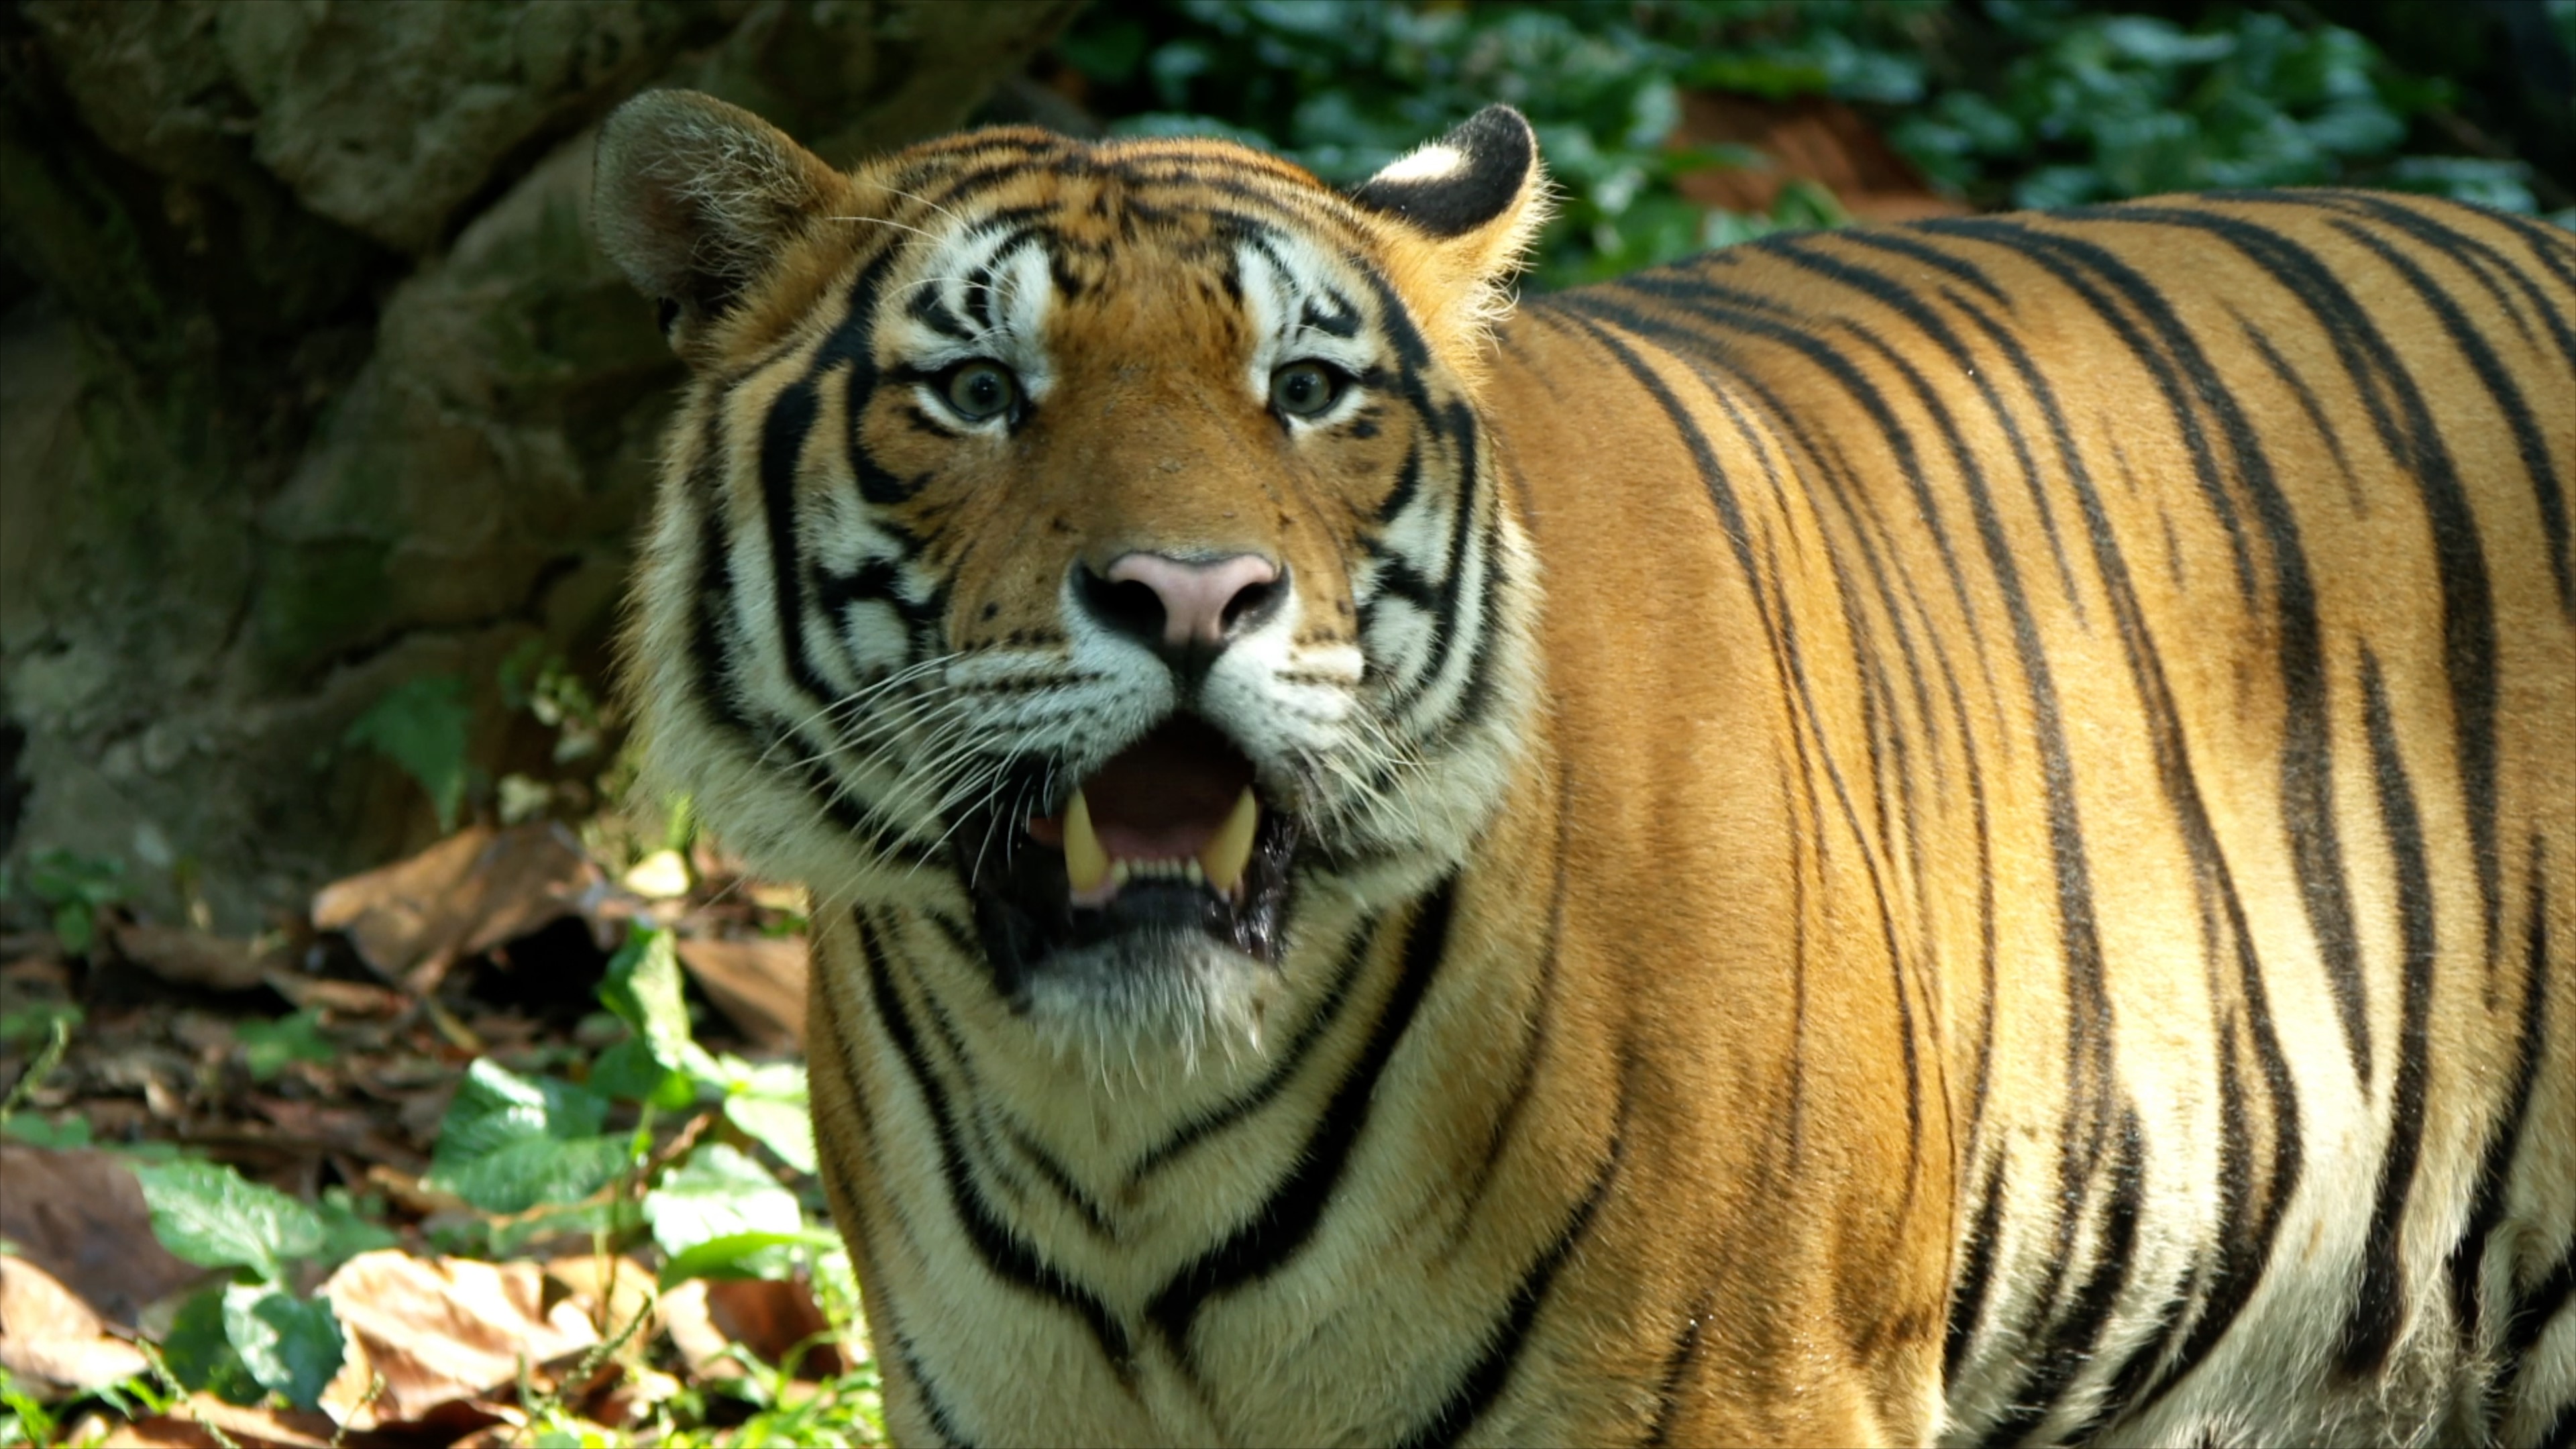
(32, 1025)
(741, 1255)
(643, 988)
(629, 1072)
(719, 1193)
(201, 1355)
(67, 1135)
(206, 1214)
(288, 1344)
(267, 1046)
(513, 1238)
(61, 877)
(496, 1107)
(510, 1143)
(73, 926)
(346, 1232)
(535, 1171)
(423, 725)
(33, 1424)
(770, 1104)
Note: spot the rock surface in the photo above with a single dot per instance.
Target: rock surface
(313, 385)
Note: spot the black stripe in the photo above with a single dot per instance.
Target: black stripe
(2307, 396)
(2219, 901)
(2243, 1255)
(2541, 472)
(2504, 1140)
(1534, 1042)
(942, 1422)
(2069, 1347)
(1001, 1250)
(2411, 434)
(2379, 1303)
(1739, 311)
(1976, 1275)
(2535, 1308)
(2555, 314)
(1483, 1382)
(1309, 1032)
(1805, 721)
(1913, 248)
(2307, 754)
(1039, 1159)
(782, 444)
(1288, 1217)
(1677, 1363)
(1906, 303)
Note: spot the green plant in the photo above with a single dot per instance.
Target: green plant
(268, 1046)
(53, 1023)
(253, 1334)
(425, 726)
(76, 888)
(2094, 107)
(539, 681)
(538, 1155)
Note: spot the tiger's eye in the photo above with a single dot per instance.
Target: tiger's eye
(981, 391)
(1303, 389)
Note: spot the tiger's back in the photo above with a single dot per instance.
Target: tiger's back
(1959, 831)
(2162, 616)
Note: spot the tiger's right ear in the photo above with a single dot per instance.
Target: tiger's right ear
(695, 199)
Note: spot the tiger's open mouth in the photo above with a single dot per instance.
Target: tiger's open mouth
(1171, 836)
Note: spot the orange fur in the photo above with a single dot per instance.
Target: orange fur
(1878, 896)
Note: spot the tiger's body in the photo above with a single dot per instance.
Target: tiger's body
(1953, 832)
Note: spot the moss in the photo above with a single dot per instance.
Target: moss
(317, 599)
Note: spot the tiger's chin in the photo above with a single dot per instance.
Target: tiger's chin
(1150, 1002)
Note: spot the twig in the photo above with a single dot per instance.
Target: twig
(37, 1070)
(375, 1389)
(538, 1406)
(179, 1391)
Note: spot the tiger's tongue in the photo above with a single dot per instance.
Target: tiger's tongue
(1162, 798)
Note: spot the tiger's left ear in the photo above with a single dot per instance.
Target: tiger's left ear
(1462, 210)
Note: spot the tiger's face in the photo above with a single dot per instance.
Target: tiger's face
(1067, 543)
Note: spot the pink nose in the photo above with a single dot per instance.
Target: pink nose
(1200, 600)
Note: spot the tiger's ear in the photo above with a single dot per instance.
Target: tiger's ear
(695, 199)
(1462, 210)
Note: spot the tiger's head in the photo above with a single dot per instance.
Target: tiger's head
(1094, 542)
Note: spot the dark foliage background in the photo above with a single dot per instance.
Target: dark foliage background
(324, 432)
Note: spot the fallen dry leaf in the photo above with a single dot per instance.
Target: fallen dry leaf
(1808, 138)
(773, 1318)
(442, 1332)
(80, 1216)
(609, 1291)
(185, 957)
(190, 1426)
(51, 1337)
(702, 1345)
(344, 998)
(758, 984)
(476, 889)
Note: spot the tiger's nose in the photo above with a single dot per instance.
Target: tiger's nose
(1183, 607)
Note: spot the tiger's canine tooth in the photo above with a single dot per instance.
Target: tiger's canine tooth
(1086, 864)
(1225, 856)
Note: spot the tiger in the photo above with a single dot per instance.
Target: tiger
(1960, 832)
